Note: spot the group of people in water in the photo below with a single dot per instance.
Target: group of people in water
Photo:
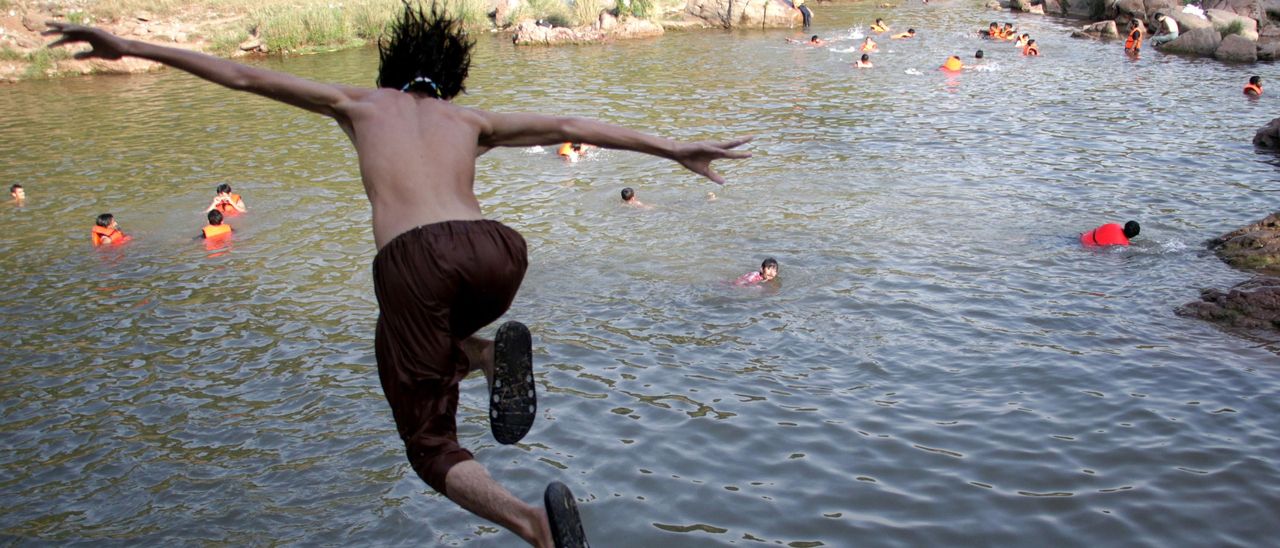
(106, 230)
(1023, 42)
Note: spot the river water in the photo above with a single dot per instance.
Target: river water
(940, 364)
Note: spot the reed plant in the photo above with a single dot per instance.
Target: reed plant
(586, 12)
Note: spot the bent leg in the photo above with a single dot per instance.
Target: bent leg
(471, 487)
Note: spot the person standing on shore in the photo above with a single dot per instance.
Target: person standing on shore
(442, 271)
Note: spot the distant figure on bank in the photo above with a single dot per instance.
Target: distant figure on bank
(18, 194)
(863, 62)
(226, 202)
(804, 11)
(869, 45)
(216, 229)
(107, 231)
(1031, 49)
(768, 271)
(629, 198)
(1170, 27)
(1133, 44)
(1110, 234)
(1254, 87)
(813, 41)
(879, 26)
(911, 33)
(952, 64)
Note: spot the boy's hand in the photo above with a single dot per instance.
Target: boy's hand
(105, 45)
(697, 157)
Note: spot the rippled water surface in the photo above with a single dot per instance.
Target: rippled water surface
(941, 364)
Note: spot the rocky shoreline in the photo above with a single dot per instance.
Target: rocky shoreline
(1255, 303)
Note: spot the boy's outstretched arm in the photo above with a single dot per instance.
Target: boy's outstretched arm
(516, 130)
(317, 97)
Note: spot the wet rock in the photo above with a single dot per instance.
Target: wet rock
(1254, 304)
(1254, 247)
(1268, 136)
(1203, 41)
(252, 44)
(1056, 7)
(1104, 29)
(1237, 49)
(1245, 8)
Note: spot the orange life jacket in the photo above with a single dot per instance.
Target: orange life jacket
(1135, 39)
(216, 231)
(868, 46)
(566, 149)
(1252, 89)
(100, 232)
(1108, 234)
(1030, 50)
(953, 63)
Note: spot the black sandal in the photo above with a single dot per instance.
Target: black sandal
(562, 513)
(513, 401)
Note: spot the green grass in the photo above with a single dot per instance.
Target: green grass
(42, 61)
(640, 9)
(555, 12)
(9, 54)
(586, 12)
(1236, 27)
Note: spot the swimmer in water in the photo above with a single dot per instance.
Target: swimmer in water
(992, 32)
(1021, 42)
(442, 271)
(1110, 234)
(106, 231)
(813, 41)
(863, 62)
(19, 195)
(1031, 49)
(911, 33)
(572, 152)
(226, 202)
(1254, 87)
(869, 46)
(953, 64)
(768, 271)
(216, 228)
(1133, 43)
(879, 26)
(629, 198)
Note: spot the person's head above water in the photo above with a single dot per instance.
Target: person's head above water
(815, 39)
(628, 194)
(215, 217)
(865, 58)
(769, 268)
(978, 55)
(1255, 80)
(223, 188)
(1131, 229)
(105, 220)
(18, 193)
(425, 53)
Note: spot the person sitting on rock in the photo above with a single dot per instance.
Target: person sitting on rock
(911, 33)
(1170, 33)
(1110, 234)
(1254, 87)
(864, 62)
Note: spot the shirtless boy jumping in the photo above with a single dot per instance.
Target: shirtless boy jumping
(442, 271)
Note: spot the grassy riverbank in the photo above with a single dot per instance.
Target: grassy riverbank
(232, 27)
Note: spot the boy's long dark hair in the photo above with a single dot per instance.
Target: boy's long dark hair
(429, 53)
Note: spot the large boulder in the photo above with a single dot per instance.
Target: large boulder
(1058, 7)
(1188, 21)
(1268, 136)
(1269, 51)
(1135, 9)
(530, 33)
(1083, 8)
(1203, 41)
(1254, 247)
(748, 13)
(1237, 49)
(1223, 19)
(1244, 8)
(1103, 29)
(1254, 304)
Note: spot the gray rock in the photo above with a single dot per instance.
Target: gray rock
(1057, 7)
(1132, 8)
(1020, 5)
(1245, 8)
(1254, 304)
(1187, 21)
(1269, 51)
(1105, 29)
(1202, 41)
(748, 13)
(1268, 136)
(1237, 49)
(1255, 247)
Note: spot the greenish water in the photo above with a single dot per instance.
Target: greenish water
(942, 364)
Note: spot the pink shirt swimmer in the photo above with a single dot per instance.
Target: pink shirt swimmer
(768, 271)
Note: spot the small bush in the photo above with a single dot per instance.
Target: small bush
(43, 60)
(586, 12)
(228, 42)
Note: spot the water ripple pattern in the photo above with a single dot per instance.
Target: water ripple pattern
(941, 364)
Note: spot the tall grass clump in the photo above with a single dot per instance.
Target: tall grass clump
(1235, 27)
(551, 11)
(585, 12)
(9, 54)
(640, 9)
(283, 28)
(42, 61)
(371, 18)
(474, 14)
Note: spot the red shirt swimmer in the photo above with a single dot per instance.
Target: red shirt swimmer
(1110, 234)
(768, 271)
